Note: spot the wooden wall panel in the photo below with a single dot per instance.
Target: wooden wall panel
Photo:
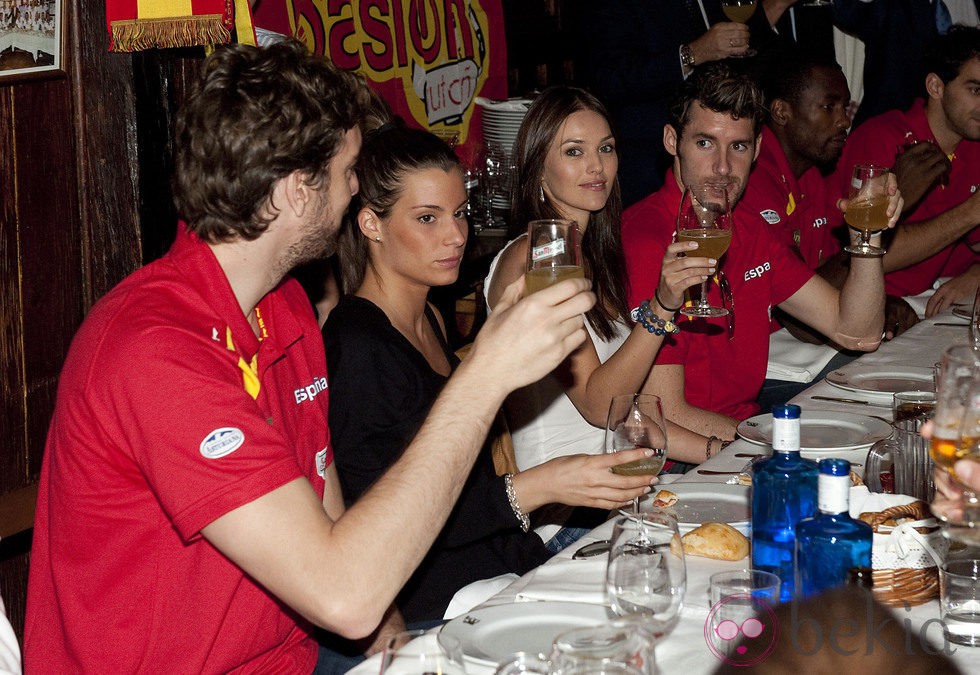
(108, 155)
(50, 247)
(12, 423)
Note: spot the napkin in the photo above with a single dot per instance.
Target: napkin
(919, 302)
(476, 593)
(568, 581)
(795, 361)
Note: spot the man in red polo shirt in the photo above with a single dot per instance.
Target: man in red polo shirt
(935, 149)
(710, 372)
(189, 516)
(807, 98)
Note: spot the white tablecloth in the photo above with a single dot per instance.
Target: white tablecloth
(684, 650)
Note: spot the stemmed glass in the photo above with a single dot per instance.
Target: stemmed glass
(739, 11)
(705, 216)
(637, 421)
(591, 649)
(956, 433)
(646, 574)
(867, 206)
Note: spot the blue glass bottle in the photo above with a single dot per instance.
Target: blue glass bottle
(831, 543)
(784, 491)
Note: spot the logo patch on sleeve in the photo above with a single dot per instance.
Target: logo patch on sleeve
(221, 442)
(770, 216)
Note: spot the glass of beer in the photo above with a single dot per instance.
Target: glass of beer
(553, 253)
(959, 369)
(956, 432)
(908, 404)
(867, 206)
(738, 11)
(705, 216)
(637, 421)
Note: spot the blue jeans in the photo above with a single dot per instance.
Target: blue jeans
(565, 537)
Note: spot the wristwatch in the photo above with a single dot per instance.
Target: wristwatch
(687, 56)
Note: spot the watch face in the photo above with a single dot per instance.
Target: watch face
(687, 56)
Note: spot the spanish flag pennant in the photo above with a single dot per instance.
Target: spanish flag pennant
(136, 25)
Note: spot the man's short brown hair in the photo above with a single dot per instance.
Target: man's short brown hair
(258, 115)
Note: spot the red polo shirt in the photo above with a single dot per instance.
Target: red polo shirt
(720, 374)
(170, 414)
(876, 142)
(800, 210)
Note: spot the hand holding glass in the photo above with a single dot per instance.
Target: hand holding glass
(956, 433)
(637, 421)
(705, 217)
(867, 207)
(553, 253)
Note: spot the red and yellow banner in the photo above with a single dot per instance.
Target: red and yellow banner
(429, 59)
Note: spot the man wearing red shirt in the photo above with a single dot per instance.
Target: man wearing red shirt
(935, 149)
(807, 99)
(708, 375)
(189, 516)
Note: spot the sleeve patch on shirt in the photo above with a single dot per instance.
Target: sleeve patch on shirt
(321, 463)
(221, 442)
(770, 216)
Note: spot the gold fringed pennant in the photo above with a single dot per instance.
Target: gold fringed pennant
(159, 24)
(189, 31)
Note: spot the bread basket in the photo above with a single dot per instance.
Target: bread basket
(903, 557)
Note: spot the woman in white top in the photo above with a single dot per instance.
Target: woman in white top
(567, 168)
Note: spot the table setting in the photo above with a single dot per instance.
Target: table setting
(585, 587)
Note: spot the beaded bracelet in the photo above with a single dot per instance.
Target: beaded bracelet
(653, 323)
(514, 504)
(707, 447)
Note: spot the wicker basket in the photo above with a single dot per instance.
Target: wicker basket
(902, 586)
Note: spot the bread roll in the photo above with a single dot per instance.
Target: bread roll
(664, 499)
(716, 540)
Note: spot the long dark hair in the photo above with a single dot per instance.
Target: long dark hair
(602, 246)
(388, 154)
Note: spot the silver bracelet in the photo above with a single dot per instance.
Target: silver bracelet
(514, 504)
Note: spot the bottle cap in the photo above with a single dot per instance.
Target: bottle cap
(786, 411)
(835, 467)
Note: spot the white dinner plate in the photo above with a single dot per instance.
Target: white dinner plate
(882, 380)
(491, 634)
(821, 431)
(699, 503)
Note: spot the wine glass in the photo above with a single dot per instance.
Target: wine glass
(867, 206)
(420, 652)
(623, 641)
(739, 11)
(637, 421)
(956, 432)
(646, 574)
(553, 253)
(705, 216)
(962, 520)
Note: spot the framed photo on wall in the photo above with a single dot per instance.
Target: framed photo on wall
(31, 39)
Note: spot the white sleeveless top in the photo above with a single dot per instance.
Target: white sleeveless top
(545, 423)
